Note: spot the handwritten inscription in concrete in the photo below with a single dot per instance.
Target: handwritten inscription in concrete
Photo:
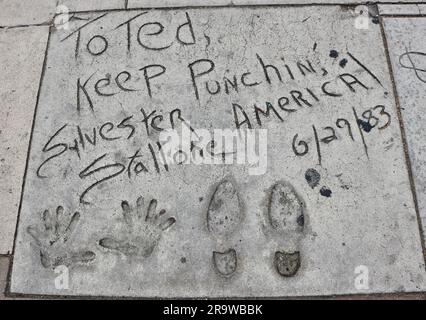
(321, 206)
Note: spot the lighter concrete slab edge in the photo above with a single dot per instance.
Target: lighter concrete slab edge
(91, 5)
(191, 3)
(21, 60)
(407, 9)
(26, 12)
(407, 47)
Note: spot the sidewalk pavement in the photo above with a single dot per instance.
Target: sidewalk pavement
(382, 190)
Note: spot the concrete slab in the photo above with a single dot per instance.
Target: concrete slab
(90, 5)
(264, 2)
(407, 50)
(21, 59)
(4, 269)
(177, 3)
(333, 213)
(407, 9)
(191, 3)
(26, 12)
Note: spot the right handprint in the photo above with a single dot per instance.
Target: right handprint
(144, 229)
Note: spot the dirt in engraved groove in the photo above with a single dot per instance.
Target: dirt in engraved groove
(287, 264)
(225, 262)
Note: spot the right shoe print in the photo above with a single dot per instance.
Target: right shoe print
(224, 217)
(286, 217)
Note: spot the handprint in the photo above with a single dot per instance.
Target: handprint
(53, 240)
(144, 229)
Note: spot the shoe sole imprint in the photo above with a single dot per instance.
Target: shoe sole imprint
(224, 217)
(286, 216)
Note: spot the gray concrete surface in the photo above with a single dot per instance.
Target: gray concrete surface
(191, 3)
(224, 231)
(26, 12)
(5, 261)
(288, 232)
(34, 12)
(408, 9)
(4, 269)
(407, 50)
(88, 5)
(22, 53)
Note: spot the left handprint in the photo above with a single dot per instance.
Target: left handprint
(52, 240)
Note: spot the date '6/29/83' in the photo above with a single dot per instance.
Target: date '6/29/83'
(371, 119)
